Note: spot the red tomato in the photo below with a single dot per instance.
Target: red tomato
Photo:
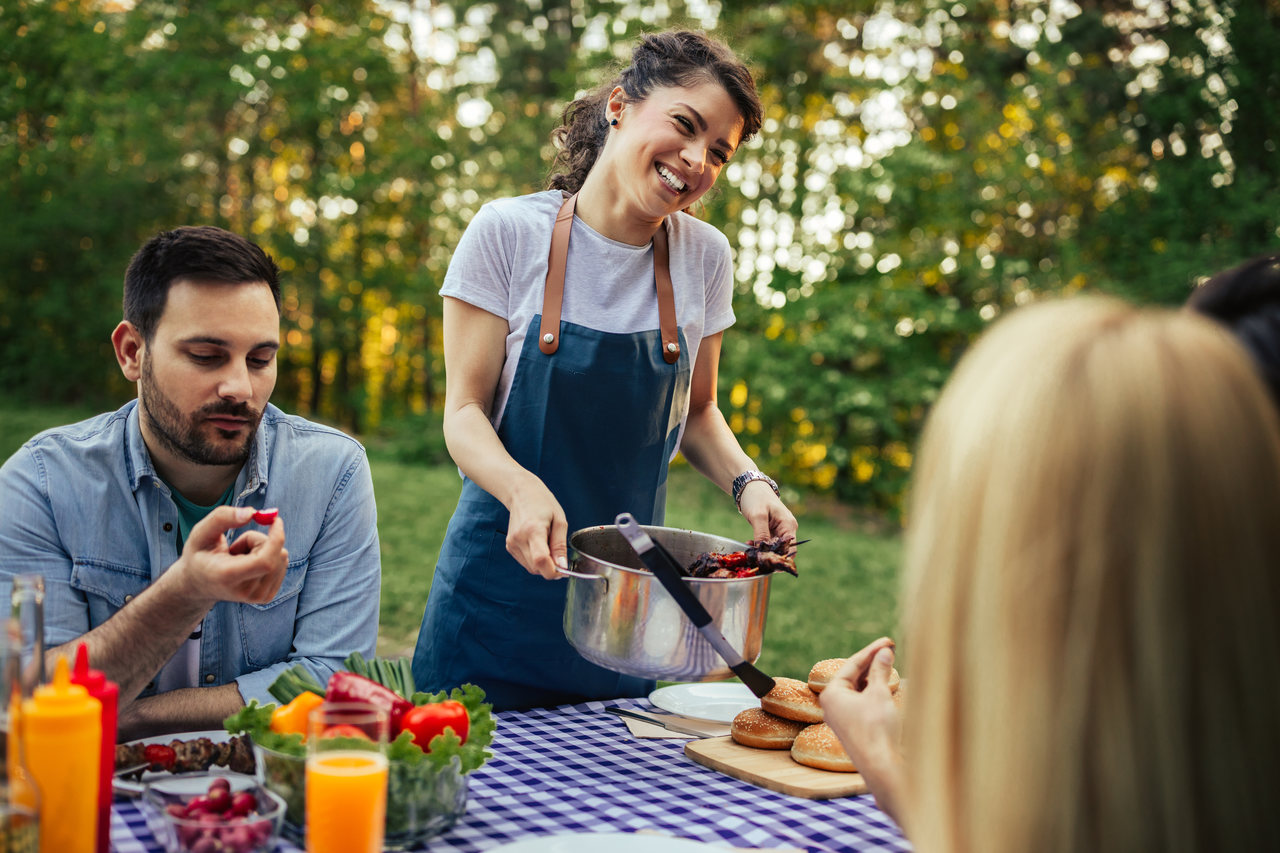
(266, 516)
(426, 721)
(160, 756)
(344, 730)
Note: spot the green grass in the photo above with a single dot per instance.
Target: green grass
(414, 505)
(844, 597)
(18, 423)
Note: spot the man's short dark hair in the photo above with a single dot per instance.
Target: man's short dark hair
(202, 253)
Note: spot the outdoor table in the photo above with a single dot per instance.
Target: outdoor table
(576, 768)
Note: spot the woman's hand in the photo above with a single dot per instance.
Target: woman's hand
(536, 534)
(860, 709)
(766, 512)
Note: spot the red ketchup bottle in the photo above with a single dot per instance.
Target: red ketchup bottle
(108, 693)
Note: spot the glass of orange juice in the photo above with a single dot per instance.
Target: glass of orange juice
(346, 778)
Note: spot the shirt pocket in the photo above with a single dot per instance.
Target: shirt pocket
(266, 630)
(106, 586)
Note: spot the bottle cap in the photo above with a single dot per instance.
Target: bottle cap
(60, 693)
(94, 680)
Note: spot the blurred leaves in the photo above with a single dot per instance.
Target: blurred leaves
(1025, 149)
(924, 167)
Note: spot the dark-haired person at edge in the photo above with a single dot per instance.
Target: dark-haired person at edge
(1246, 299)
(571, 385)
(141, 520)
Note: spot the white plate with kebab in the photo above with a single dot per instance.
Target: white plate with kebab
(140, 761)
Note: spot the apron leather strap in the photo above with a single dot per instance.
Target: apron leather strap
(666, 296)
(553, 293)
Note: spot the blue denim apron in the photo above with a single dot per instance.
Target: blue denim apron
(595, 415)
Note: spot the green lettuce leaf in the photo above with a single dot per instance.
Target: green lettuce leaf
(255, 721)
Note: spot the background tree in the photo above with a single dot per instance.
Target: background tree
(924, 166)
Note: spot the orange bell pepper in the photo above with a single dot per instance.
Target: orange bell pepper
(291, 718)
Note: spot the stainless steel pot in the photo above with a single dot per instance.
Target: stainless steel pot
(617, 614)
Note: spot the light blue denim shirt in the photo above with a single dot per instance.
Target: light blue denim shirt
(83, 506)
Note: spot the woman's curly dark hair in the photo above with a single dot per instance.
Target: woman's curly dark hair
(1246, 299)
(671, 58)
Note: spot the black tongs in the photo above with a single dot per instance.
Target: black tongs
(665, 568)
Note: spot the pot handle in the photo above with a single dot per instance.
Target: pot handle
(581, 575)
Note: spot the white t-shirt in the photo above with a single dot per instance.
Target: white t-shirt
(183, 669)
(500, 265)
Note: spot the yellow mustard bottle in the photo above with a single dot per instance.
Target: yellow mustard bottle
(62, 736)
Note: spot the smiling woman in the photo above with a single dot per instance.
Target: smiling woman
(694, 72)
(554, 360)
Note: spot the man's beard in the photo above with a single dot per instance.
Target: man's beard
(181, 434)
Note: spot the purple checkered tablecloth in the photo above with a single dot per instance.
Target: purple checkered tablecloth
(578, 769)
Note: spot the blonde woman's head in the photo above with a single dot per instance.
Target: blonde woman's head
(1090, 602)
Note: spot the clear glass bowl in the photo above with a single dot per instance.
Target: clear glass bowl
(253, 833)
(422, 801)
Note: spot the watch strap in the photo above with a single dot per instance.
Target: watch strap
(740, 482)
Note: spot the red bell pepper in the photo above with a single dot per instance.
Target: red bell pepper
(348, 687)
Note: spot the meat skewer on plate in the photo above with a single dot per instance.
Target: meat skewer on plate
(186, 756)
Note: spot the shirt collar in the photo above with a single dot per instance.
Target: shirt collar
(252, 476)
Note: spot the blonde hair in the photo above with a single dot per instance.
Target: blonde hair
(1090, 606)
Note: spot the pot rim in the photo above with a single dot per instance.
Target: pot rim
(649, 528)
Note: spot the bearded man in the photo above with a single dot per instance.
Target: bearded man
(141, 521)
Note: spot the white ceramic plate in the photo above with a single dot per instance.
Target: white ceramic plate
(716, 702)
(614, 842)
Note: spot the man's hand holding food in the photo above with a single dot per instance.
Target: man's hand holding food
(247, 569)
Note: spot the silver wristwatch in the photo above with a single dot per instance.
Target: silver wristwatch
(740, 483)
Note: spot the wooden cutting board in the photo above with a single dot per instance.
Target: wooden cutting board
(773, 769)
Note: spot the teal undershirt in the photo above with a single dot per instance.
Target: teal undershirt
(190, 514)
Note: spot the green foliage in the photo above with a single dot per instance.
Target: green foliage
(73, 204)
(1033, 155)
(924, 167)
(411, 439)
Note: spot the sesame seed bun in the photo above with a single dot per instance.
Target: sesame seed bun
(824, 670)
(817, 746)
(762, 730)
(792, 699)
